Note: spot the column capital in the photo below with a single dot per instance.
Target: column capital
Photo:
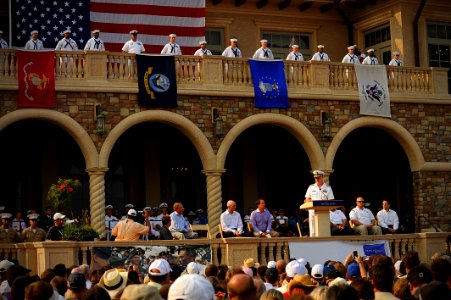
(96, 170)
(213, 172)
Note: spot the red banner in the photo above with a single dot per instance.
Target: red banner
(36, 79)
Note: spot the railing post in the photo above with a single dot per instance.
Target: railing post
(95, 67)
(439, 78)
(319, 74)
(211, 70)
(97, 198)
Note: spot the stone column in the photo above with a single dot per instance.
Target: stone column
(214, 199)
(97, 198)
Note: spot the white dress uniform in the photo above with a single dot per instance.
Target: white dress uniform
(3, 44)
(386, 218)
(364, 216)
(317, 193)
(34, 45)
(171, 49)
(95, 45)
(110, 222)
(200, 52)
(133, 47)
(66, 45)
(263, 53)
(295, 56)
(350, 59)
(370, 60)
(320, 56)
(232, 52)
(396, 62)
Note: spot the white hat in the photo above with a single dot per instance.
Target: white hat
(271, 264)
(172, 35)
(398, 265)
(295, 46)
(58, 216)
(234, 40)
(161, 265)
(132, 212)
(6, 215)
(370, 50)
(351, 47)
(338, 281)
(317, 271)
(129, 205)
(191, 286)
(33, 216)
(320, 46)
(67, 31)
(95, 31)
(202, 42)
(141, 292)
(164, 204)
(192, 268)
(396, 53)
(113, 281)
(318, 173)
(362, 55)
(5, 264)
(294, 267)
(263, 41)
(302, 261)
(34, 31)
(134, 31)
(109, 207)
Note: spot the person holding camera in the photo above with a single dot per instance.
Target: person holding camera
(129, 229)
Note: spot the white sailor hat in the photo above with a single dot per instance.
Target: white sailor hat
(202, 42)
(33, 31)
(199, 211)
(6, 215)
(370, 50)
(396, 53)
(33, 216)
(264, 41)
(318, 173)
(96, 31)
(351, 47)
(362, 55)
(134, 31)
(172, 35)
(109, 207)
(67, 31)
(294, 46)
(164, 204)
(234, 40)
(128, 205)
(320, 46)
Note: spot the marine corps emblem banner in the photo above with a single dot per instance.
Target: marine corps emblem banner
(35, 72)
(270, 86)
(373, 90)
(156, 80)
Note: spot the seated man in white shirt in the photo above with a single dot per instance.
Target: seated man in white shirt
(231, 223)
(387, 218)
(180, 228)
(363, 219)
(338, 223)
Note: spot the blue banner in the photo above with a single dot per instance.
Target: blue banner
(157, 81)
(373, 249)
(270, 85)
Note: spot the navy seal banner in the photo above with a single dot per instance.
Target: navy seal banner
(157, 81)
(269, 83)
(373, 90)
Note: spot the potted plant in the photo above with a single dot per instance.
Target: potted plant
(60, 194)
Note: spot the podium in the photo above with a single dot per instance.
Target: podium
(322, 217)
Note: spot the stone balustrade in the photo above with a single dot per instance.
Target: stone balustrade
(233, 251)
(217, 75)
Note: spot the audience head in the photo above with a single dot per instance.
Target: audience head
(411, 259)
(141, 292)
(241, 286)
(272, 295)
(59, 284)
(191, 286)
(383, 276)
(211, 270)
(364, 288)
(39, 290)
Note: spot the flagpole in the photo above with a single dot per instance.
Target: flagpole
(10, 31)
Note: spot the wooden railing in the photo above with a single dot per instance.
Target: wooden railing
(97, 70)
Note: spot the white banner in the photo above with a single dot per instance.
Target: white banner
(373, 90)
(317, 252)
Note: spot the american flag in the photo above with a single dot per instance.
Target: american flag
(154, 20)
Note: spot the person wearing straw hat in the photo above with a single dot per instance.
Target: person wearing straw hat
(263, 52)
(232, 50)
(66, 43)
(396, 61)
(203, 49)
(33, 233)
(172, 48)
(320, 55)
(95, 43)
(113, 281)
(295, 54)
(34, 43)
(133, 45)
(8, 234)
(3, 43)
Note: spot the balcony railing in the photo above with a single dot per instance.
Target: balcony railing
(96, 71)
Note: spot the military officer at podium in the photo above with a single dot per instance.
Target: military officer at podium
(317, 191)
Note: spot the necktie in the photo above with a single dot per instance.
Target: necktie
(35, 45)
(68, 43)
(235, 51)
(296, 56)
(172, 48)
(321, 57)
(97, 44)
(398, 63)
(266, 53)
(372, 61)
(205, 52)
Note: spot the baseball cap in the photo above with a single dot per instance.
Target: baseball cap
(5, 264)
(294, 267)
(160, 265)
(132, 212)
(317, 271)
(191, 286)
(272, 264)
(58, 216)
(77, 281)
(353, 270)
(192, 268)
(302, 261)
(140, 292)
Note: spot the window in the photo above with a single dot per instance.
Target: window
(215, 40)
(380, 40)
(280, 43)
(439, 44)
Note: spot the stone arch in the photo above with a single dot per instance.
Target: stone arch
(293, 126)
(405, 139)
(72, 127)
(187, 127)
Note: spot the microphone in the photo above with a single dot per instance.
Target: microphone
(429, 222)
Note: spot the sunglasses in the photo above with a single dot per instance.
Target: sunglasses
(360, 201)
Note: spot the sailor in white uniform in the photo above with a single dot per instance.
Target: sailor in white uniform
(3, 43)
(351, 58)
(95, 43)
(370, 59)
(320, 55)
(263, 52)
(396, 61)
(295, 54)
(172, 48)
(66, 43)
(232, 50)
(203, 49)
(34, 43)
(133, 45)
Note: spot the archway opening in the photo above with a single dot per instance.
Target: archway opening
(34, 154)
(152, 163)
(372, 164)
(267, 162)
